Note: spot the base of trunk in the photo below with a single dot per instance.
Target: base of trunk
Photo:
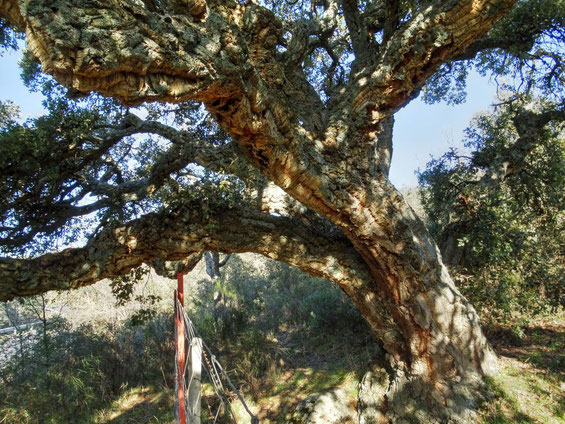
(397, 398)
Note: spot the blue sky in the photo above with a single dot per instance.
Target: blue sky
(421, 130)
(12, 88)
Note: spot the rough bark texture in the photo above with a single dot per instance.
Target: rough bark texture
(183, 234)
(327, 157)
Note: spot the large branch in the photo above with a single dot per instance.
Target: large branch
(254, 100)
(436, 34)
(360, 39)
(519, 31)
(130, 51)
(178, 235)
(228, 60)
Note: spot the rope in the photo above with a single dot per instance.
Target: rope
(218, 376)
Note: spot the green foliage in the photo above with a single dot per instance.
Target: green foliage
(447, 84)
(8, 37)
(283, 294)
(126, 289)
(9, 112)
(42, 163)
(531, 59)
(123, 286)
(83, 166)
(89, 367)
(503, 236)
(263, 302)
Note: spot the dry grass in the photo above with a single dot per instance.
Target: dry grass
(529, 388)
(140, 405)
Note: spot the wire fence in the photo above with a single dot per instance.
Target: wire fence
(219, 406)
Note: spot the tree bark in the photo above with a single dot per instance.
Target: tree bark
(328, 158)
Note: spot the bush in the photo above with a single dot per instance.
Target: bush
(89, 367)
(503, 237)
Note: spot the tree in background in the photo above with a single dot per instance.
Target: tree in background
(270, 130)
(498, 212)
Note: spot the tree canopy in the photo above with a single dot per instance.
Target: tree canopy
(106, 165)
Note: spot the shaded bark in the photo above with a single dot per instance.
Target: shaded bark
(213, 265)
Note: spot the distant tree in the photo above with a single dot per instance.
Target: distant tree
(9, 112)
(498, 212)
(271, 131)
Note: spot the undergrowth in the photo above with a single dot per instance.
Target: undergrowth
(280, 334)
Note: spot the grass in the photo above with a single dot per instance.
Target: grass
(295, 385)
(530, 385)
(143, 404)
(523, 395)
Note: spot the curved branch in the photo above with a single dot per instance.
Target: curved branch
(414, 51)
(186, 148)
(184, 233)
(136, 53)
(44, 223)
(518, 31)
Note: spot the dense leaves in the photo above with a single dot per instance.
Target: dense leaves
(503, 230)
(8, 37)
(91, 163)
(496, 207)
(44, 166)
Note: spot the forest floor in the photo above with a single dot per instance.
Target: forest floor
(276, 372)
(529, 388)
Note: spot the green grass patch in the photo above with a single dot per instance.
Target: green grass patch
(523, 394)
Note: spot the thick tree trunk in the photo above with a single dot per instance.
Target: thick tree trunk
(433, 336)
(443, 354)
(438, 352)
(330, 157)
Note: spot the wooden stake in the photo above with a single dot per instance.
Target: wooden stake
(181, 350)
(194, 390)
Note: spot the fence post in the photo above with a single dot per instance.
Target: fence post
(181, 350)
(194, 388)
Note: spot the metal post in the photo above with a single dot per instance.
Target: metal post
(181, 350)
(194, 388)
